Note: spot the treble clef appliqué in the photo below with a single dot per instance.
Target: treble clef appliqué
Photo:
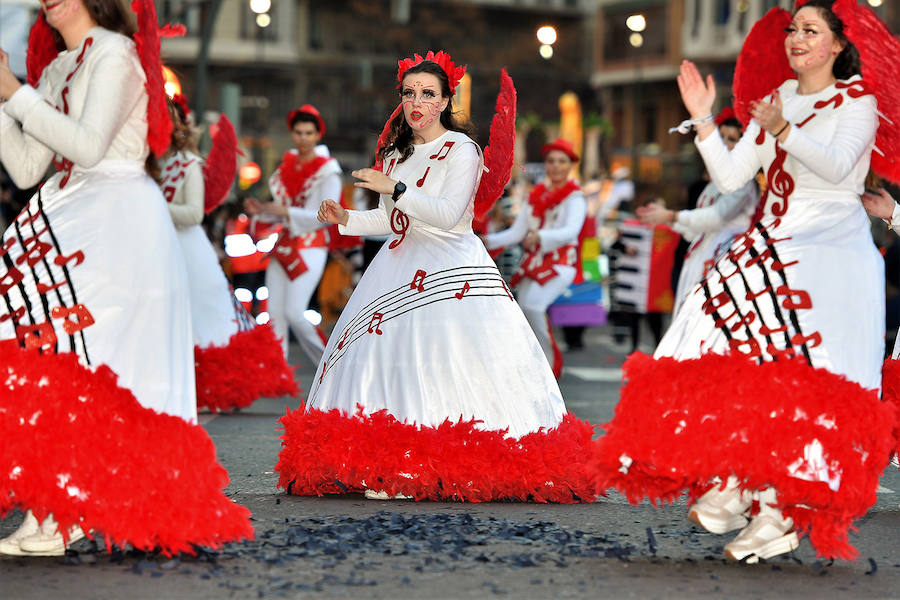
(399, 225)
(781, 184)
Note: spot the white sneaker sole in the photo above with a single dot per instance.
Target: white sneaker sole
(382, 495)
(714, 525)
(55, 549)
(782, 545)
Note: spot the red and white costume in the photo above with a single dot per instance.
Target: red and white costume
(432, 383)
(711, 228)
(548, 271)
(301, 252)
(770, 371)
(98, 411)
(237, 361)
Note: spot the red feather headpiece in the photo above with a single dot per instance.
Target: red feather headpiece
(763, 65)
(181, 101)
(221, 164)
(454, 73)
(41, 50)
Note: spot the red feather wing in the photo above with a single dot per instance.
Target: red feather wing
(383, 138)
(878, 51)
(221, 164)
(159, 124)
(41, 50)
(498, 155)
(762, 64)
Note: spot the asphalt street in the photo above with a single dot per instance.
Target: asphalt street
(342, 547)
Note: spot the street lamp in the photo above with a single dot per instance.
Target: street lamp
(547, 36)
(636, 23)
(875, 3)
(261, 8)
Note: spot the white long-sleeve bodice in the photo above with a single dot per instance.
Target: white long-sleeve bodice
(560, 226)
(90, 105)
(324, 184)
(825, 157)
(182, 186)
(717, 211)
(440, 192)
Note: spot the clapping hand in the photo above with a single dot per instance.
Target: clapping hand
(698, 95)
(332, 212)
(880, 204)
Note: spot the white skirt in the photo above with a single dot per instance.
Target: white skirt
(213, 312)
(100, 265)
(432, 333)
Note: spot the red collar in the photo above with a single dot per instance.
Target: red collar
(294, 174)
(543, 199)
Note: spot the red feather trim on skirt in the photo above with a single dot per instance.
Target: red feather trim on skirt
(332, 452)
(251, 366)
(679, 424)
(77, 445)
(890, 390)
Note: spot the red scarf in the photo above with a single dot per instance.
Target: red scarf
(294, 173)
(542, 199)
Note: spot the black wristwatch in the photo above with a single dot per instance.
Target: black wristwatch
(398, 190)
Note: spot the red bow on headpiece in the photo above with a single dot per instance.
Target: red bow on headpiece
(454, 73)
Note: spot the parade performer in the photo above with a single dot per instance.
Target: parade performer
(548, 228)
(98, 410)
(714, 224)
(298, 186)
(237, 361)
(433, 384)
(766, 385)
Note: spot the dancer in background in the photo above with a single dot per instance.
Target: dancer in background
(433, 384)
(302, 181)
(99, 413)
(237, 361)
(716, 221)
(547, 227)
(766, 385)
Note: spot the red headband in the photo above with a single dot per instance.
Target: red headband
(307, 109)
(454, 73)
(726, 114)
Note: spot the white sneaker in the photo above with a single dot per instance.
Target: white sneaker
(29, 527)
(721, 511)
(382, 495)
(49, 541)
(765, 537)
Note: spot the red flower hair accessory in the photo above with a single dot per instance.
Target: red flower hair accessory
(454, 73)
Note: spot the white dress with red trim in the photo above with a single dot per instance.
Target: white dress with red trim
(770, 371)
(432, 383)
(98, 414)
(237, 361)
(711, 228)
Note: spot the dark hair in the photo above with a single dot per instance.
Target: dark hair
(847, 63)
(183, 135)
(302, 117)
(732, 122)
(401, 134)
(108, 14)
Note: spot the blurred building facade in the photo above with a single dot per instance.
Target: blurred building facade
(636, 81)
(341, 56)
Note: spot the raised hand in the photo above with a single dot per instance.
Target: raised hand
(698, 95)
(769, 114)
(332, 212)
(654, 214)
(374, 180)
(9, 83)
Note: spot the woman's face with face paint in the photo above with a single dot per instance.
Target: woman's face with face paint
(810, 44)
(422, 100)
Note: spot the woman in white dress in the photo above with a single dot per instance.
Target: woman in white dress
(547, 227)
(713, 225)
(99, 414)
(766, 385)
(432, 384)
(237, 361)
